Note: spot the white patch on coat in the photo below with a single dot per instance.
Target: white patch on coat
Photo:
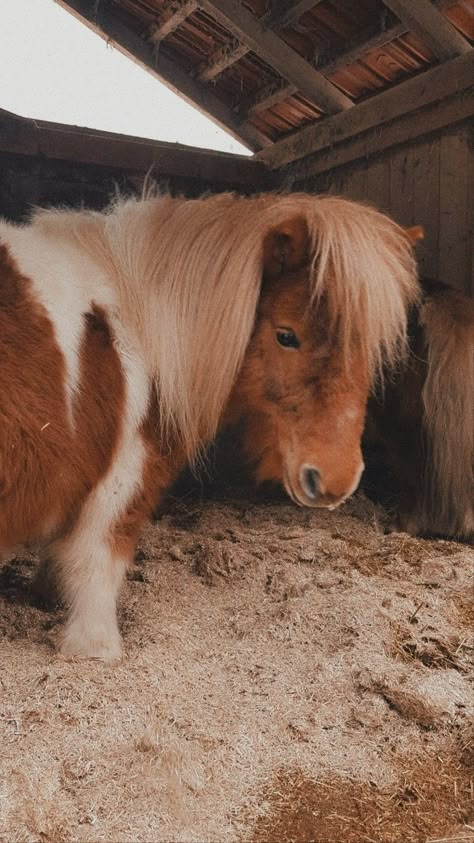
(89, 574)
(65, 281)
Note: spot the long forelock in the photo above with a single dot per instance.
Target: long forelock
(364, 267)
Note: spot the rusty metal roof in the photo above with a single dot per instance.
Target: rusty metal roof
(361, 47)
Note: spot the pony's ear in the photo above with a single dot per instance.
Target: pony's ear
(414, 233)
(285, 248)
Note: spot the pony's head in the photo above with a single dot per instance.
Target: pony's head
(297, 298)
(326, 322)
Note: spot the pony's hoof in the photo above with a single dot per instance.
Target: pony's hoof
(93, 642)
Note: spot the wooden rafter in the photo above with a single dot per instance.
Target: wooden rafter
(281, 15)
(452, 77)
(171, 17)
(276, 53)
(285, 13)
(266, 97)
(406, 128)
(272, 94)
(113, 30)
(434, 29)
(223, 58)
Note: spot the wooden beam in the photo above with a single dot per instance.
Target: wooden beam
(409, 127)
(171, 17)
(371, 39)
(288, 12)
(223, 58)
(431, 86)
(53, 141)
(271, 95)
(112, 29)
(282, 15)
(433, 28)
(266, 98)
(286, 61)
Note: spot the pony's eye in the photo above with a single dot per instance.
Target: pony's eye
(287, 338)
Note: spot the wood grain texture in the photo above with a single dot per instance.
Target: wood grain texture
(453, 209)
(426, 204)
(428, 182)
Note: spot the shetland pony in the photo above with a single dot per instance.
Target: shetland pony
(122, 334)
(422, 419)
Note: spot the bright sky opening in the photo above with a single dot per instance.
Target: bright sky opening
(55, 68)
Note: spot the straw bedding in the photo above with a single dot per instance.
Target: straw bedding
(289, 676)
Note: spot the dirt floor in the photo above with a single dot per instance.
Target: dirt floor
(289, 676)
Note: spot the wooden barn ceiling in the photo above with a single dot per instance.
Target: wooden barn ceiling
(274, 72)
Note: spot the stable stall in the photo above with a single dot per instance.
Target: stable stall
(290, 674)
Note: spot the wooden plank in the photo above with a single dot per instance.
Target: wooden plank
(431, 86)
(469, 283)
(171, 17)
(266, 98)
(371, 39)
(113, 30)
(426, 204)
(227, 55)
(223, 58)
(453, 210)
(270, 95)
(331, 182)
(286, 61)
(54, 141)
(406, 128)
(433, 28)
(354, 185)
(378, 183)
(401, 185)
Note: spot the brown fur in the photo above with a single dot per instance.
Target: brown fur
(304, 406)
(36, 445)
(286, 248)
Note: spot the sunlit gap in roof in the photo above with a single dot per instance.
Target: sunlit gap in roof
(55, 68)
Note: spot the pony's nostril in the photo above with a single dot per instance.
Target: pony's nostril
(310, 481)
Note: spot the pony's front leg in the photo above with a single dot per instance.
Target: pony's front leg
(89, 573)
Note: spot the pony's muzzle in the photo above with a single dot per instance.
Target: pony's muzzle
(311, 489)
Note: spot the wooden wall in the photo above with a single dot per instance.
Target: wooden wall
(43, 163)
(28, 181)
(429, 183)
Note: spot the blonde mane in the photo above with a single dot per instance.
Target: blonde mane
(188, 275)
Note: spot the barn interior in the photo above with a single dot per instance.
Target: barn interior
(289, 675)
(368, 100)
